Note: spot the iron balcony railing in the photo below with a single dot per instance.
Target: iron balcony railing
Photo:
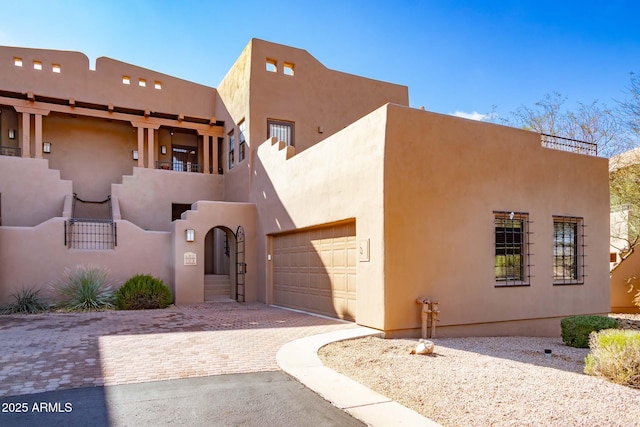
(179, 166)
(10, 151)
(568, 144)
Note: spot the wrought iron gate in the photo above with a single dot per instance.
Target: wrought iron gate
(241, 266)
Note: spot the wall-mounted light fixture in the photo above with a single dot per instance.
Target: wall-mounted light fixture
(46, 147)
(135, 154)
(190, 235)
(163, 149)
(12, 134)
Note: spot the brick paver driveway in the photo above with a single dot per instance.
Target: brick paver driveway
(53, 351)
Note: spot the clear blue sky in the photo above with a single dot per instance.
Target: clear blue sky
(454, 55)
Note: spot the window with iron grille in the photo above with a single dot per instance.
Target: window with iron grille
(512, 266)
(241, 141)
(232, 149)
(281, 130)
(568, 253)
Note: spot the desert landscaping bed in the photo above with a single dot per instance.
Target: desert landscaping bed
(497, 381)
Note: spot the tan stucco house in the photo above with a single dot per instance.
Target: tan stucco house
(298, 186)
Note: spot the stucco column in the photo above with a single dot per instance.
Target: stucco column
(151, 159)
(205, 153)
(214, 153)
(26, 134)
(140, 147)
(38, 143)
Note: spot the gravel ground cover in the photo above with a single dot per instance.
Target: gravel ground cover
(489, 381)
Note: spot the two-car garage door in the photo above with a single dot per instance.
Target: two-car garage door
(315, 270)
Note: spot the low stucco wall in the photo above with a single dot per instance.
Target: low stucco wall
(36, 256)
(146, 196)
(30, 192)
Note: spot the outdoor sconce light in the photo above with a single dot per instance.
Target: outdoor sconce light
(190, 234)
(135, 154)
(12, 134)
(163, 149)
(46, 147)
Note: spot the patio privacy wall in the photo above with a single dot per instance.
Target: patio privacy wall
(35, 257)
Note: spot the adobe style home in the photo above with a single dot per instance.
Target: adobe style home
(298, 186)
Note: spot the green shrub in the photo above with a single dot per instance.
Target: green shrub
(26, 301)
(576, 329)
(141, 292)
(615, 355)
(85, 288)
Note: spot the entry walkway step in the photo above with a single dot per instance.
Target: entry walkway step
(216, 286)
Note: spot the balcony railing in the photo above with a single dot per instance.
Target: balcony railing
(10, 151)
(179, 166)
(568, 144)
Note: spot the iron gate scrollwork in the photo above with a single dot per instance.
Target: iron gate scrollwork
(241, 265)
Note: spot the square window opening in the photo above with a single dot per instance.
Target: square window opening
(142, 83)
(157, 85)
(289, 69)
(126, 80)
(17, 62)
(56, 68)
(271, 65)
(37, 65)
(282, 130)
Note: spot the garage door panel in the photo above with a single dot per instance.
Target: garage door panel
(315, 270)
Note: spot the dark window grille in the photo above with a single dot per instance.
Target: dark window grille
(232, 149)
(283, 131)
(568, 250)
(241, 141)
(512, 254)
(96, 234)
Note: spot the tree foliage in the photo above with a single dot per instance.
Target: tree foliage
(615, 131)
(630, 107)
(593, 122)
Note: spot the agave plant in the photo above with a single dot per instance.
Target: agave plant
(85, 288)
(26, 300)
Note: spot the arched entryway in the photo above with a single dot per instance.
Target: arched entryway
(225, 267)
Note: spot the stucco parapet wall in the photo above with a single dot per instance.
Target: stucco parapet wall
(31, 192)
(286, 53)
(345, 171)
(75, 80)
(145, 197)
(484, 130)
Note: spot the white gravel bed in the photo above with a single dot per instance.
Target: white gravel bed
(496, 381)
